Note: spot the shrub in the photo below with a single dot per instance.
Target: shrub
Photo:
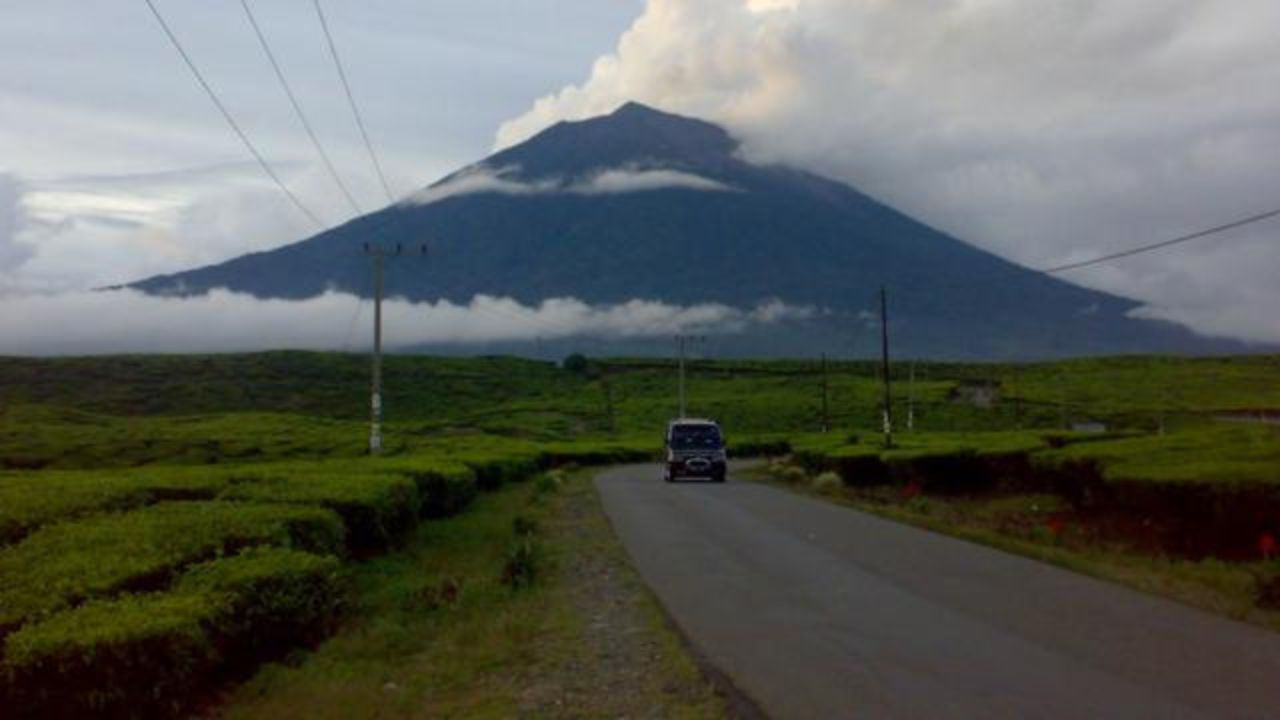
(1266, 589)
(443, 492)
(78, 560)
(828, 483)
(524, 526)
(547, 483)
(557, 455)
(793, 474)
(493, 474)
(280, 598)
(759, 448)
(94, 660)
(153, 654)
(576, 363)
(29, 501)
(522, 563)
(376, 509)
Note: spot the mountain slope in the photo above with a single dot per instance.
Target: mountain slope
(644, 204)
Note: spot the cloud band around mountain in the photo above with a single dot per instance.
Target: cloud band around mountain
(121, 321)
(482, 179)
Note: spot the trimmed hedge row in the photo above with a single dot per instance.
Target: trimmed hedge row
(29, 501)
(1185, 519)
(445, 492)
(150, 654)
(377, 509)
(70, 562)
(79, 640)
(493, 473)
(759, 448)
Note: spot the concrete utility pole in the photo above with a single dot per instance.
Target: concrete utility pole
(608, 399)
(1017, 396)
(911, 399)
(682, 342)
(1062, 380)
(884, 362)
(379, 256)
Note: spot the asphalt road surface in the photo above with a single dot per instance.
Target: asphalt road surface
(818, 611)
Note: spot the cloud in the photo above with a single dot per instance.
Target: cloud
(628, 180)
(100, 113)
(221, 321)
(1042, 132)
(480, 179)
(95, 230)
(13, 252)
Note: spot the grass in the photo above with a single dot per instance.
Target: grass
(123, 474)
(434, 632)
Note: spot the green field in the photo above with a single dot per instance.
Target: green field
(155, 511)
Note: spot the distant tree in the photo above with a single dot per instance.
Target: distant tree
(576, 363)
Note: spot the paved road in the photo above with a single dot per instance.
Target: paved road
(818, 611)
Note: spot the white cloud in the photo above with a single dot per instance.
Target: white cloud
(481, 179)
(628, 180)
(76, 100)
(775, 310)
(1044, 132)
(130, 321)
(13, 252)
(87, 231)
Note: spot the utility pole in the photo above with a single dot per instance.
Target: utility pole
(826, 416)
(1017, 396)
(608, 399)
(911, 399)
(884, 361)
(379, 256)
(682, 342)
(1062, 380)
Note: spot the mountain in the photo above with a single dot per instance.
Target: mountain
(645, 204)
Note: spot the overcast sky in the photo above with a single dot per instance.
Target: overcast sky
(114, 164)
(1046, 131)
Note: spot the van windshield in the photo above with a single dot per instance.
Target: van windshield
(693, 437)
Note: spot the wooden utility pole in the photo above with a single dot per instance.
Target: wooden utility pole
(884, 363)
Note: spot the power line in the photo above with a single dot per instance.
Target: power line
(297, 108)
(266, 167)
(1023, 272)
(351, 100)
(1164, 243)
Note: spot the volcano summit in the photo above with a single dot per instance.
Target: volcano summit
(642, 204)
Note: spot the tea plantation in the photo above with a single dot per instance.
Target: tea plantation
(167, 523)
